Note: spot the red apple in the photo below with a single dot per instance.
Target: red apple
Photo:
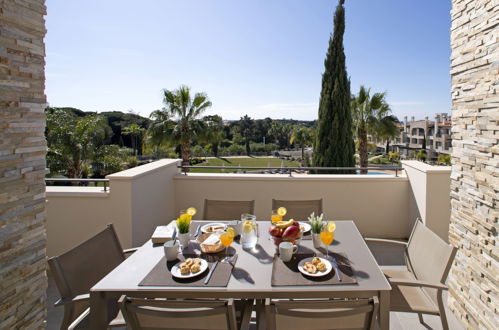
(274, 231)
(291, 232)
(296, 224)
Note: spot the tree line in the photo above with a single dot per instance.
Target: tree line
(89, 144)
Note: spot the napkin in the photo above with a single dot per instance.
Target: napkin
(163, 234)
(213, 239)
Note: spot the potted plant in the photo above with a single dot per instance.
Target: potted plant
(183, 225)
(316, 224)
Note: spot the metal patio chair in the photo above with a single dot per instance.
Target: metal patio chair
(418, 288)
(80, 268)
(321, 314)
(226, 210)
(300, 209)
(193, 314)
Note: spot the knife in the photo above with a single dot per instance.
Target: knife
(197, 231)
(337, 269)
(174, 235)
(212, 269)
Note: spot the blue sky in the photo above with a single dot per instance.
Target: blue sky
(263, 58)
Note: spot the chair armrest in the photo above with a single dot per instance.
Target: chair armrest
(383, 240)
(409, 282)
(65, 301)
(131, 250)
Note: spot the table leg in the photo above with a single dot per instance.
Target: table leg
(384, 310)
(98, 310)
(260, 314)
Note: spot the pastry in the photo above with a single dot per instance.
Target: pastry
(310, 268)
(195, 268)
(321, 267)
(184, 270)
(316, 261)
(188, 262)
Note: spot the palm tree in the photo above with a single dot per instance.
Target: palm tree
(302, 136)
(366, 112)
(281, 133)
(387, 129)
(214, 133)
(72, 142)
(159, 130)
(186, 110)
(246, 128)
(135, 132)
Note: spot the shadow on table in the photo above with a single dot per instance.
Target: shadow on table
(343, 263)
(242, 275)
(259, 253)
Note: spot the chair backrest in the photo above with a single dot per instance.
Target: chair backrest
(226, 210)
(80, 268)
(428, 256)
(322, 314)
(178, 314)
(298, 210)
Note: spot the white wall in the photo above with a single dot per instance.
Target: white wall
(141, 198)
(379, 204)
(138, 200)
(430, 186)
(152, 196)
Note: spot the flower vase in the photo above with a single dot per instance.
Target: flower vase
(316, 238)
(184, 240)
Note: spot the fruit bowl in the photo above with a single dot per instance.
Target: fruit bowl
(286, 231)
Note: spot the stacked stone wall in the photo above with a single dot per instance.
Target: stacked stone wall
(473, 282)
(23, 279)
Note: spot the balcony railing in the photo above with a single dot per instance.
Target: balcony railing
(79, 182)
(290, 170)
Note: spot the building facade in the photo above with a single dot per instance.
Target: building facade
(412, 136)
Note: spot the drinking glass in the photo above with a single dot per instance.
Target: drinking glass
(226, 239)
(249, 235)
(327, 237)
(275, 217)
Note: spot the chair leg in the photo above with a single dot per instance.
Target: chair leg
(68, 316)
(420, 316)
(443, 316)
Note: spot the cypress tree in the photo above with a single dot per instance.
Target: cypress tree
(334, 145)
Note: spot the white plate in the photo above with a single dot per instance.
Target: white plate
(306, 227)
(329, 267)
(176, 270)
(204, 228)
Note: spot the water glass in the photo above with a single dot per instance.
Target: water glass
(249, 236)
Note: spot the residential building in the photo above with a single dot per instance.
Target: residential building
(413, 133)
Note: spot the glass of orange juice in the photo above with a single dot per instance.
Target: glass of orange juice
(226, 239)
(327, 237)
(277, 215)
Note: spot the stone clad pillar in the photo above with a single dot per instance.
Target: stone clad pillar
(473, 284)
(23, 279)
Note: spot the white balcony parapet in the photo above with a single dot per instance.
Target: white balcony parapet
(141, 198)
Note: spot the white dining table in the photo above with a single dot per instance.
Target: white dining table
(251, 277)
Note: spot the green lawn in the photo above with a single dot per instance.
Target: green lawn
(246, 161)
